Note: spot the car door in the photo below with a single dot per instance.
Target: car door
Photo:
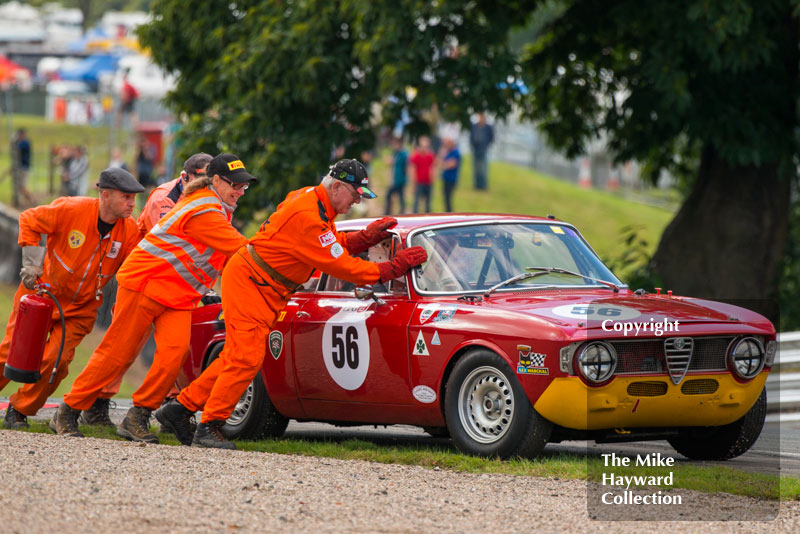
(351, 350)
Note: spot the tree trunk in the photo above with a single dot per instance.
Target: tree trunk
(727, 240)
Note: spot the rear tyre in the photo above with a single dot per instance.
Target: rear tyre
(723, 442)
(254, 416)
(487, 411)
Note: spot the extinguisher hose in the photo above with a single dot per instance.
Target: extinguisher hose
(63, 335)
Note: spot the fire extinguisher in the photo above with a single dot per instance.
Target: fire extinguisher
(34, 319)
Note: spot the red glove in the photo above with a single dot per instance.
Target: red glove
(358, 242)
(402, 262)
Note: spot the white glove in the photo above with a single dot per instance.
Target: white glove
(32, 262)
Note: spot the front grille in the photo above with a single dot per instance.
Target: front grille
(678, 352)
(649, 356)
(647, 389)
(701, 386)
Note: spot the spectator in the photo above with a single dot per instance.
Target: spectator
(422, 159)
(21, 167)
(398, 163)
(78, 173)
(451, 164)
(128, 97)
(63, 158)
(145, 163)
(116, 159)
(481, 135)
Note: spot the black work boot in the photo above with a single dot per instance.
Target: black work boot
(136, 426)
(209, 435)
(14, 419)
(65, 421)
(176, 418)
(97, 415)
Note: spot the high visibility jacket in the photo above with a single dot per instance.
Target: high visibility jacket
(161, 200)
(180, 259)
(301, 236)
(78, 262)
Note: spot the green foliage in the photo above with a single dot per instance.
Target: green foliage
(789, 287)
(633, 262)
(661, 80)
(281, 83)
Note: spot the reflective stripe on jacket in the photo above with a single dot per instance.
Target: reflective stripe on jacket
(180, 259)
(78, 261)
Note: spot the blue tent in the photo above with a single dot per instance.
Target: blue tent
(89, 70)
(80, 45)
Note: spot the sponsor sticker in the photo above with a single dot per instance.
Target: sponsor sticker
(435, 340)
(427, 312)
(531, 362)
(557, 230)
(337, 250)
(327, 238)
(281, 315)
(233, 165)
(420, 348)
(445, 314)
(424, 394)
(113, 251)
(75, 239)
(275, 343)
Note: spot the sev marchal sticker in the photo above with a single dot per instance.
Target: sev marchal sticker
(275, 343)
(75, 239)
(531, 362)
(420, 348)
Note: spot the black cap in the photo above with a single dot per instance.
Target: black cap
(230, 167)
(354, 173)
(197, 162)
(119, 179)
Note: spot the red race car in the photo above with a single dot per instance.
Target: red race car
(513, 334)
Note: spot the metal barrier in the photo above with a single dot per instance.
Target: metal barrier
(783, 384)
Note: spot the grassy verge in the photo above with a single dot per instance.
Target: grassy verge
(554, 465)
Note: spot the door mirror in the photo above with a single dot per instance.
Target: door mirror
(366, 292)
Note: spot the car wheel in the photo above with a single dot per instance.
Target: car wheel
(254, 416)
(723, 442)
(487, 411)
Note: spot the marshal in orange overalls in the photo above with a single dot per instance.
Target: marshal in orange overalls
(77, 265)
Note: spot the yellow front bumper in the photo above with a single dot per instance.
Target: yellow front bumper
(570, 403)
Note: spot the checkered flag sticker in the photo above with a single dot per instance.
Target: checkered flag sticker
(537, 360)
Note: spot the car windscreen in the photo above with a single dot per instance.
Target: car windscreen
(477, 257)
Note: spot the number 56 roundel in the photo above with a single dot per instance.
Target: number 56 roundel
(345, 348)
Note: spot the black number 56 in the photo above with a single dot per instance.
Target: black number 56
(345, 348)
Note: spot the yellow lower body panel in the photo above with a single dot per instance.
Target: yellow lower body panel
(570, 403)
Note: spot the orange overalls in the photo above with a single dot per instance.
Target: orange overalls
(160, 283)
(160, 201)
(77, 265)
(299, 237)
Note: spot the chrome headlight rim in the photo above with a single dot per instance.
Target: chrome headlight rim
(732, 358)
(579, 364)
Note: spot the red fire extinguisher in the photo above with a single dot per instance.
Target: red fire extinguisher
(34, 319)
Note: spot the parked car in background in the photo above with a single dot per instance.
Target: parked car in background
(512, 335)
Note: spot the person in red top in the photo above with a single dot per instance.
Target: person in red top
(128, 96)
(165, 196)
(162, 280)
(87, 241)
(422, 159)
(298, 238)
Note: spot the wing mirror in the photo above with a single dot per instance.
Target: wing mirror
(366, 292)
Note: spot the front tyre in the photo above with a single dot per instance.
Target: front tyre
(487, 411)
(254, 416)
(726, 441)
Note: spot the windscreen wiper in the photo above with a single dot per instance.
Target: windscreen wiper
(559, 270)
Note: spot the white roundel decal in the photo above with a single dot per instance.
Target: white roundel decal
(596, 312)
(424, 394)
(345, 348)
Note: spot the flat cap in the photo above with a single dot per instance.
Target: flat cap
(119, 179)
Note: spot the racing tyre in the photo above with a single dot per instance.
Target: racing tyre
(723, 442)
(254, 416)
(488, 413)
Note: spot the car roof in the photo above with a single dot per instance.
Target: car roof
(408, 223)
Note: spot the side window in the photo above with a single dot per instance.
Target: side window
(383, 251)
(311, 285)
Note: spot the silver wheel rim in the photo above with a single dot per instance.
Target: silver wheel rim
(242, 407)
(486, 405)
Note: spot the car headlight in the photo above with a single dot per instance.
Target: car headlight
(597, 361)
(772, 349)
(747, 358)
